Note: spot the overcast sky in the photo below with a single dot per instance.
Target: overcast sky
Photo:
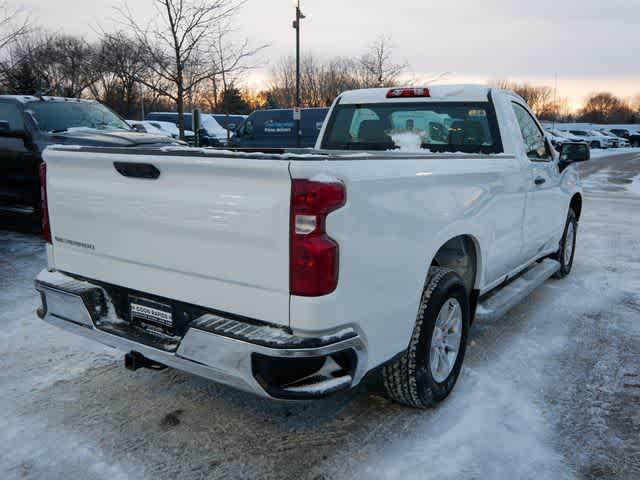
(590, 45)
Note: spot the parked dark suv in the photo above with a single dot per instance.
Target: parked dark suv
(633, 137)
(28, 124)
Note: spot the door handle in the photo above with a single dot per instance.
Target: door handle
(540, 180)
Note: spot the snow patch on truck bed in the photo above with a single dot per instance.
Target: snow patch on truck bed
(217, 152)
(409, 142)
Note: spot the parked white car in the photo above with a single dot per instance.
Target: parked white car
(293, 276)
(608, 141)
(618, 141)
(558, 138)
(594, 139)
(211, 134)
(161, 128)
(211, 125)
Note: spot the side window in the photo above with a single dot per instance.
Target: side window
(248, 127)
(533, 137)
(11, 114)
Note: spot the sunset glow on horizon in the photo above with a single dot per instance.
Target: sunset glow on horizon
(588, 47)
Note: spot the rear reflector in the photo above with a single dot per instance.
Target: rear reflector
(44, 206)
(408, 93)
(314, 255)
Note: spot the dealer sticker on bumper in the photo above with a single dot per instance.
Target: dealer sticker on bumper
(148, 311)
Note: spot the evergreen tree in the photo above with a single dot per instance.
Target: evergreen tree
(233, 102)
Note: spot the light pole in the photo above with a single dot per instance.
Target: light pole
(296, 26)
(141, 101)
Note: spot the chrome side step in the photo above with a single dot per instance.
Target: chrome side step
(504, 299)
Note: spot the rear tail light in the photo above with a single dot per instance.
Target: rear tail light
(44, 207)
(411, 92)
(314, 255)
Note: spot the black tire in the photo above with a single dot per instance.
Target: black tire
(595, 145)
(407, 379)
(566, 263)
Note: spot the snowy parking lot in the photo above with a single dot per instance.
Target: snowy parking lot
(550, 391)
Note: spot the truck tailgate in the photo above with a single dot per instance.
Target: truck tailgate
(210, 231)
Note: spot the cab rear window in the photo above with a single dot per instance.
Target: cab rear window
(434, 126)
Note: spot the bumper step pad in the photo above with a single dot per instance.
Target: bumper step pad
(266, 335)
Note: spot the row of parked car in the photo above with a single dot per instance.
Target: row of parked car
(596, 138)
(215, 129)
(277, 129)
(274, 128)
(28, 124)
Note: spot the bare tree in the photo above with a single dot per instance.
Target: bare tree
(53, 64)
(121, 64)
(66, 64)
(322, 80)
(540, 98)
(635, 104)
(13, 25)
(179, 39)
(378, 65)
(231, 60)
(604, 107)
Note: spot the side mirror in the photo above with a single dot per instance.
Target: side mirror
(6, 131)
(139, 128)
(573, 152)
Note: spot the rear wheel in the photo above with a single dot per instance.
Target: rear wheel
(427, 371)
(567, 248)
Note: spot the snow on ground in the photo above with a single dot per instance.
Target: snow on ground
(614, 173)
(601, 153)
(550, 391)
(634, 186)
(35, 356)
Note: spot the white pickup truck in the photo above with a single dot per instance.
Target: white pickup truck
(293, 275)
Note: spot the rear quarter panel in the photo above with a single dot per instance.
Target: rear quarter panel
(399, 212)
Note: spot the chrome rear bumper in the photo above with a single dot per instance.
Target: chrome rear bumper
(217, 348)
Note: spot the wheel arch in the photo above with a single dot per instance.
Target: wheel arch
(463, 255)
